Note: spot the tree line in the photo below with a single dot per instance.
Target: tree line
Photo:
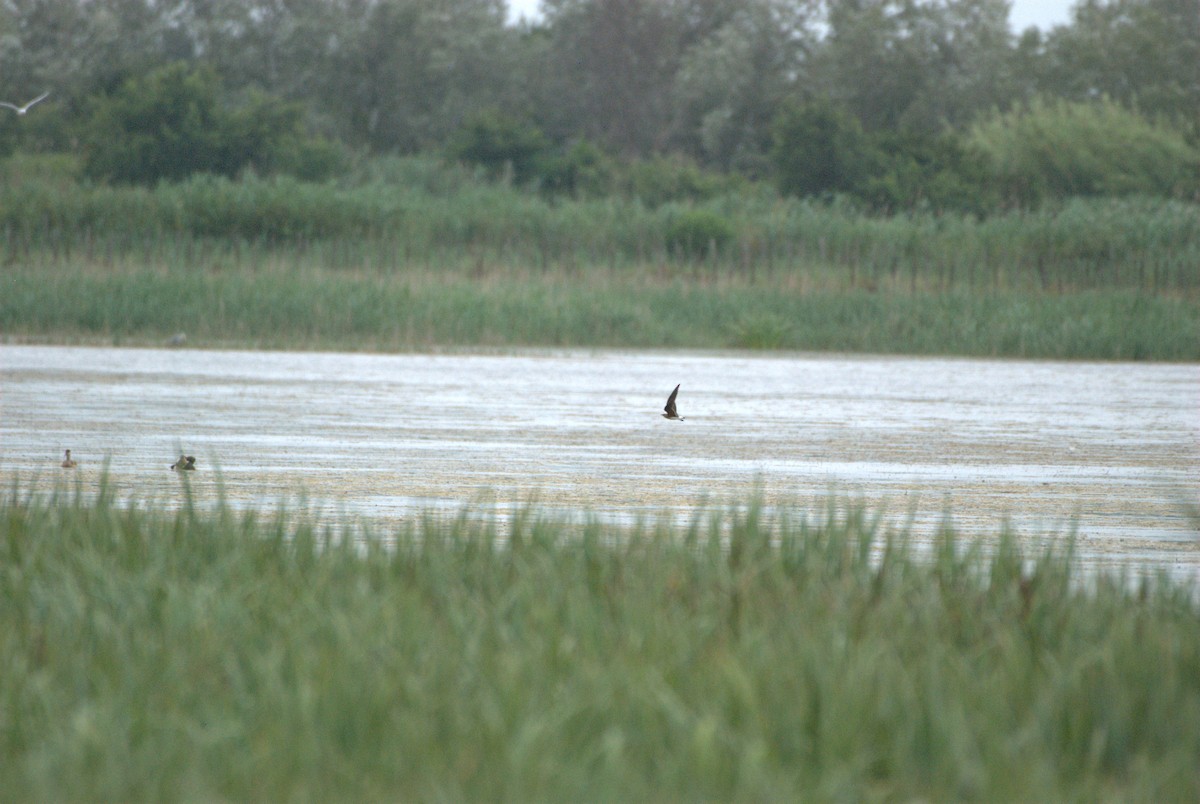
(895, 103)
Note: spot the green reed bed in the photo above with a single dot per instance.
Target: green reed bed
(748, 656)
(460, 306)
(414, 254)
(407, 211)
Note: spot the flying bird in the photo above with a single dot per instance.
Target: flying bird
(26, 107)
(671, 413)
(68, 462)
(184, 463)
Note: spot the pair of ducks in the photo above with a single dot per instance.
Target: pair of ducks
(185, 462)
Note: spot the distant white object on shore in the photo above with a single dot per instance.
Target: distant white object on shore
(26, 107)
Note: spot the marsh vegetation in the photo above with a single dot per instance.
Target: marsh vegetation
(421, 254)
(746, 655)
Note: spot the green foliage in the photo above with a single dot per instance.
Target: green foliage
(278, 209)
(915, 171)
(1056, 149)
(695, 233)
(819, 150)
(394, 211)
(581, 171)
(501, 144)
(661, 180)
(1145, 54)
(695, 80)
(310, 159)
(746, 655)
(170, 124)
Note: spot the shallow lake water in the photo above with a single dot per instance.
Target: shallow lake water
(1108, 451)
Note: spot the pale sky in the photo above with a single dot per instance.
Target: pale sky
(1044, 14)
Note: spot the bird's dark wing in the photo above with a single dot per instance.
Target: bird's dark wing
(670, 408)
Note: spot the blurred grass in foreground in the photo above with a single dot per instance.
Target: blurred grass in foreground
(747, 656)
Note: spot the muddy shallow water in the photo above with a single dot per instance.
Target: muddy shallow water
(1109, 449)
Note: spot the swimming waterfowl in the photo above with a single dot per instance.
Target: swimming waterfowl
(671, 413)
(26, 107)
(184, 463)
(68, 462)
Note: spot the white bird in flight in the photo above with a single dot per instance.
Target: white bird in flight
(26, 107)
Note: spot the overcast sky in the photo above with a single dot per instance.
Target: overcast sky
(1045, 14)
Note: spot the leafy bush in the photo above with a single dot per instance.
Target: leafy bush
(169, 124)
(499, 143)
(310, 159)
(914, 171)
(696, 233)
(819, 150)
(665, 179)
(583, 170)
(1056, 149)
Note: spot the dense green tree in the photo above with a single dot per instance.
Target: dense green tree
(820, 149)
(278, 46)
(1142, 53)
(940, 172)
(500, 143)
(611, 69)
(170, 124)
(731, 83)
(871, 59)
(407, 73)
(39, 40)
(580, 170)
(970, 67)
(891, 88)
(903, 64)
